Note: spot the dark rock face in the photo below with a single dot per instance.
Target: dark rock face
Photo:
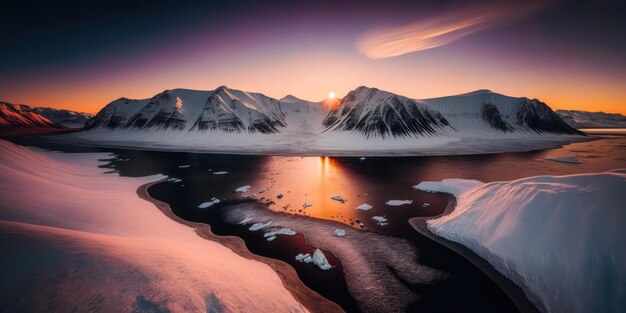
(540, 118)
(491, 115)
(373, 113)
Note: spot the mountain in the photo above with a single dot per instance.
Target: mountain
(19, 119)
(372, 112)
(67, 118)
(223, 109)
(485, 112)
(367, 120)
(585, 119)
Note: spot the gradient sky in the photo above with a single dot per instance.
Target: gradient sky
(80, 56)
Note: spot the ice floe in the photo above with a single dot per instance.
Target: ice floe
(306, 205)
(364, 207)
(339, 232)
(338, 198)
(184, 166)
(259, 226)
(207, 204)
(381, 220)
(318, 259)
(398, 202)
(245, 188)
(220, 173)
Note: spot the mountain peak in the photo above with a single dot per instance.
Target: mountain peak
(290, 98)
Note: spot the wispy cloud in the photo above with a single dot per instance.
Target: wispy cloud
(444, 28)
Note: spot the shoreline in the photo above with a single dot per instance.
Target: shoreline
(310, 299)
(513, 291)
(478, 147)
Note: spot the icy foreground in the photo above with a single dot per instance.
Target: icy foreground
(560, 238)
(87, 242)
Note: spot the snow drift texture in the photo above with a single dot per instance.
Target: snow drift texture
(77, 240)
(366, 119)
(560, 238)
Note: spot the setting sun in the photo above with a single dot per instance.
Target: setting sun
(331, 95)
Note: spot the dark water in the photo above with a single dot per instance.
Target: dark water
(373, 181)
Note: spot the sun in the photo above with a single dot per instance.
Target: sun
(331, 95)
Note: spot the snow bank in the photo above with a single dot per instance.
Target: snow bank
(560, 238)
(97, 237)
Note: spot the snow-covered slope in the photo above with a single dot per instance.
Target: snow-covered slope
(77, 240)
(560, 238)
(584, 119)
(19, 119)
(67, 118)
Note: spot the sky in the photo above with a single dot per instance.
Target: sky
(82, 55)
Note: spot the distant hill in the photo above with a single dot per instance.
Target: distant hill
(67, 118)
(585, 119)
(19, 119)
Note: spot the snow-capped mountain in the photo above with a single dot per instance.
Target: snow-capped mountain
(585, 119)
(372, 112)
(366, 120)
(67, 118)
(485, 112)
(223, 109)
(19, 119)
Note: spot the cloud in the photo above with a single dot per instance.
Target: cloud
(444, 28)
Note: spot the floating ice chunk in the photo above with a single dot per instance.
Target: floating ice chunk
(184, 166)
(271, 238)
(219, 173)
(381, 220)
(364, 207)
(362, 158)
(398, 202)
(567, 159)
(207, 204)
(177, 180)
(245, 221)
(301, 256)
(280, 195)
(338, 198)
(453, 186)
(425, 204)
(320, 260)
(306, 205)
(281, 231)
(258, 226)
(358, 222)
(245, 188)
(339, 232)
